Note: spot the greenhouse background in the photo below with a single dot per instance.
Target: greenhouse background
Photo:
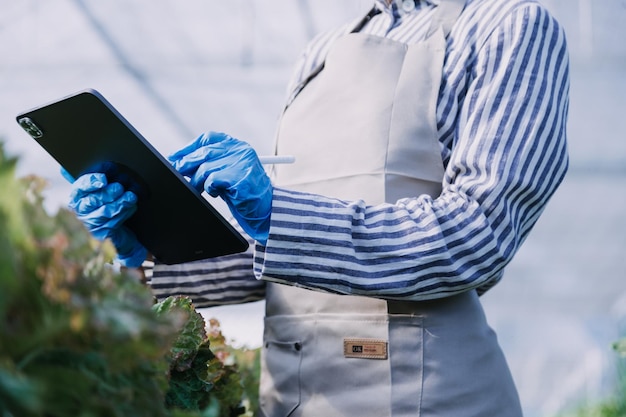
(178, 68)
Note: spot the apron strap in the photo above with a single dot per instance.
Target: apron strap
(357, 28)
(373, 12)
(445, 16)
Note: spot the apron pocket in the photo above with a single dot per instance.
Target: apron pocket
(280, 391)
(342, 365)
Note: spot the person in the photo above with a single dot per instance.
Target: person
(429, 136)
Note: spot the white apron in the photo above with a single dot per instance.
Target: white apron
(365, 128)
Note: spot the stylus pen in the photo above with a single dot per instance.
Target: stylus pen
(277, 159)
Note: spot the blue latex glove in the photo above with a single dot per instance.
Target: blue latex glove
(226, 167)
(103, 208)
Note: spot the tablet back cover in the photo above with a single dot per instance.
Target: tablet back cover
(84, 133)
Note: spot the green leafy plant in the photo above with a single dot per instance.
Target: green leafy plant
(78, 338)
(620, 347)
(195, 371)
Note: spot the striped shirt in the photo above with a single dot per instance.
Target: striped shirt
(501, 120)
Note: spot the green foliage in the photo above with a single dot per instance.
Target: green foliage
(195, 371)
(80, 339)
(620, 347)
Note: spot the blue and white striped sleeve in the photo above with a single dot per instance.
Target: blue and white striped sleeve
(509, 156)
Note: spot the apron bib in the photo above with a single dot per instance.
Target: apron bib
(365, 128)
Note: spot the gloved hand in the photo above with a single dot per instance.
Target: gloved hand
(226, 167)
(103, 208)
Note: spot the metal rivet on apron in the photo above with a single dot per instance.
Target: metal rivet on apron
(297, 346)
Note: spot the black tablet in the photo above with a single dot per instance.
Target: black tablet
(84, 133)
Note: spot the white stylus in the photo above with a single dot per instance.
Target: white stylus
(277, 159)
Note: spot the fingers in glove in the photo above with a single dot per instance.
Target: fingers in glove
(235, 151)
(201, 141)
(208, 161)
(98, 198)
(88, 183)
(111, 216)
(188, 165)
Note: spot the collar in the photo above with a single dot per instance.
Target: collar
(396, 9)
(383, 6)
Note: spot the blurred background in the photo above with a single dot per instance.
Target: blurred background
(176, 68)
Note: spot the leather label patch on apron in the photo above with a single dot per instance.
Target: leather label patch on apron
(365, 348)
